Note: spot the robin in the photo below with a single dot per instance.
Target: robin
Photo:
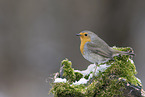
(95, 50)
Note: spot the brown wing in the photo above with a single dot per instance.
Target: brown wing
(102, 51)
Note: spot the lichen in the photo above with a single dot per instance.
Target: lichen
(112, 81)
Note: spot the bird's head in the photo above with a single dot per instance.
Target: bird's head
(87, 36)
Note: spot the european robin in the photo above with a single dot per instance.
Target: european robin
(95, 50)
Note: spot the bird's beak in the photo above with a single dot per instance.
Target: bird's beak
(78, 35)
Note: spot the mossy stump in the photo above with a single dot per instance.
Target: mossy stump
(115, 78)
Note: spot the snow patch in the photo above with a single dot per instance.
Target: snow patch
(101, 68)
(90, 68)
(58, 80)
(138, 79)
(81, 81)
(131, 61)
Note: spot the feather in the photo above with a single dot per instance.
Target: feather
(102, 51)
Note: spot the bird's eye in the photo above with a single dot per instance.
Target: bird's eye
(86, 34)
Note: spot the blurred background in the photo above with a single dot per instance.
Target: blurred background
(36, 35)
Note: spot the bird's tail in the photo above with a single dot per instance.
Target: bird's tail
(117, 52)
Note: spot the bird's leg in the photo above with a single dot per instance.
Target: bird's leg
(93, 74)
(95, 70)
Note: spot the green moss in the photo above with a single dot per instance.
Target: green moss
(68, 72)
(106, 84)
(78, 76)
(65, 90)
(122, 67)
(87, 76)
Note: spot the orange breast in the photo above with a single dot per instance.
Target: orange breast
(83, 42)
